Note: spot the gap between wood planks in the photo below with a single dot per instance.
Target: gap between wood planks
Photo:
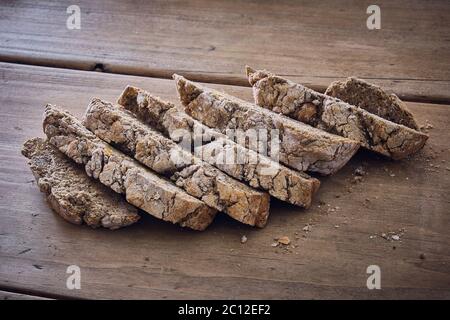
(218, 78)
(35, 294)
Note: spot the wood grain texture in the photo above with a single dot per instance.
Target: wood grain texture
(153, 259)
(311, 42)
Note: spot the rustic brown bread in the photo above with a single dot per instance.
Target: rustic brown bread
(167, 118)
(116, 125)
(257, 170)
(142, 188)
(260, 172)
(334, 115)
(71, 193)
(373, 99)
(301, 146)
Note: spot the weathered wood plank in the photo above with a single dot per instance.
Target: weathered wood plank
(154, 259)
(313, 42)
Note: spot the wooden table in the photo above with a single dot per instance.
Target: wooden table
(210, 41)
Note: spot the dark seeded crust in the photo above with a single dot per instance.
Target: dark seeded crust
(71, 193)
(141, 187)
(334, 115)
(373, 99)
(116, 125)
(257, 170)
(302, 147)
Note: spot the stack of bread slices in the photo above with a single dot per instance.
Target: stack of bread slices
(179, 163)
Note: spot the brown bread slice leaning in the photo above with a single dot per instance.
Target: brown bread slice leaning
(142, 188)
(71, 193)
(373, 99)
(260, 172)
(256, 169)
(198, 178)
(333, 115)
(301, 146)
(166, 117)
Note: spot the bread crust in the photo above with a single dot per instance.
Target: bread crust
(256, 169)
(301, 146)
(198, 178)
(142, 188)
(335, 116)
(71, 193)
